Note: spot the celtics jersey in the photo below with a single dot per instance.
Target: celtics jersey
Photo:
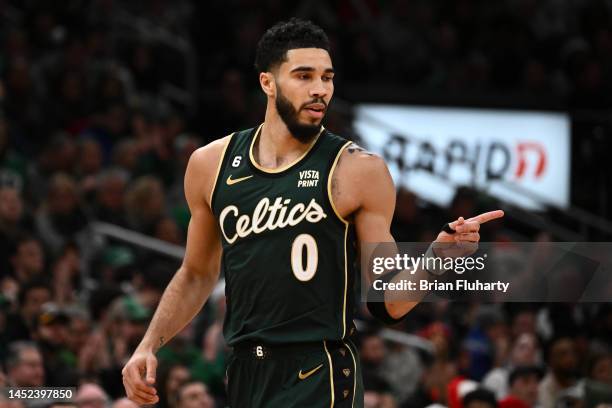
(288, 256)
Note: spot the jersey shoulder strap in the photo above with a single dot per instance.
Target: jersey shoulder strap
(236, 143)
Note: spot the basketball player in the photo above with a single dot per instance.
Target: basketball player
(282, 204)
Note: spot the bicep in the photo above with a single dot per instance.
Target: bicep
(377, 203)
(203, 248)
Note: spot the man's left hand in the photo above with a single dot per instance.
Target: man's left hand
(466, 236)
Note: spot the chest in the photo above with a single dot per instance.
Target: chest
(249, 199)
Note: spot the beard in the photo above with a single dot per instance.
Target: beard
(302, 132)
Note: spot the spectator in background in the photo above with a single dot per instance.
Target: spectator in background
(167, 230)
(90, 158)
(110, 196)
(149, 284)
(11, 223)
(12, 215)
(52, 334)
(79, 331)
(91, 395)
(89, 164)
(480, 343)
(32, 295)
(523, 387)
(524, 352)
(479, 398)
(402, 370)
(562, 370)
(24, 365)
(107, 350)
(171, 378)
(399, 367)
(28, 259)
(124, 403)
(125, 156)
(523, 321)
(13, 166)
(372, 350)
(58, 156)
(131, 318)
(439, 369)
(194, 395)
(600, 368)
(145, 204)
(61, 219)
(67, 274)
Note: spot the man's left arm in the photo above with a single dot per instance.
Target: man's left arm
(376, 196)
(375, 193)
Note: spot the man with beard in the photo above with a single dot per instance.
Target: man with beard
(284, 203)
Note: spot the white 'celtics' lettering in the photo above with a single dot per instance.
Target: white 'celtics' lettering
(268, 217)
(308, 178)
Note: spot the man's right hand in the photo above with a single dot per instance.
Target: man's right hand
(140, 391)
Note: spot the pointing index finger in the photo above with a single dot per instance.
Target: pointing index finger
(488, 216)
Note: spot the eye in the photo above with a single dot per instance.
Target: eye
(303, 76)
(328, 78)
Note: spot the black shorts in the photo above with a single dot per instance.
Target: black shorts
(321, 374)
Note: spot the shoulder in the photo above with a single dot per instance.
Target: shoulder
(203, 167)
(359, 177)
(210, 154)
(358, 161)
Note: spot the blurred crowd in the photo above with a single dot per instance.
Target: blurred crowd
(100, 109)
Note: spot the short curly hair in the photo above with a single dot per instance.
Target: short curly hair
(284, 36)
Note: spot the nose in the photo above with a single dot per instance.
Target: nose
(318, 90)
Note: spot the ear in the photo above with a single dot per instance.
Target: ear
(267, 83)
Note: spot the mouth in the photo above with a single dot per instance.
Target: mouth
(316, 110)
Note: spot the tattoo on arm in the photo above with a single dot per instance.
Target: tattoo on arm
(356, 148)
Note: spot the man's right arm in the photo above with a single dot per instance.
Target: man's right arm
(192, 283)
(199, 272)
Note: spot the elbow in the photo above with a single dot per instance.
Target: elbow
(199, 276)
(399, 309)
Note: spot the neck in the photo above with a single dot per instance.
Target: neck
(275, 146)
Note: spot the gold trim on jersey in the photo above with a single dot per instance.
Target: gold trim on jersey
(285, 167)
(331, 373)
(354, 371)
(346, 226)
(212, 192)
(329, 183)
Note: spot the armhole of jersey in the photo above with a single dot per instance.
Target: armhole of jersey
(220, 166)
(329, 183)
